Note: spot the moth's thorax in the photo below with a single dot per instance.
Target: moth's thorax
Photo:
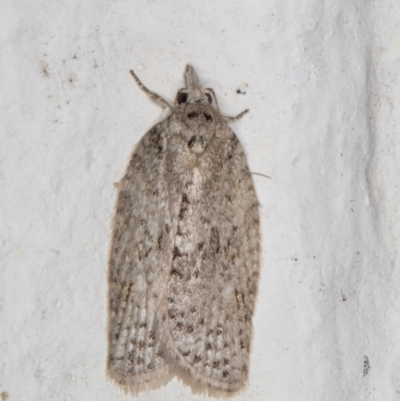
(198, 125)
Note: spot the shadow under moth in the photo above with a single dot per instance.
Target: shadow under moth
(185, 253)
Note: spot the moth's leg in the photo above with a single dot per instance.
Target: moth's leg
(262, 175)
(231, 119)
(153, 96)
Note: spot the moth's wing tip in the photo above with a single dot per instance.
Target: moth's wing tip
(133, 385)
(204, 385)
(207, 386)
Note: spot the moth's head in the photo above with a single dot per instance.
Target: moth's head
(194, 93)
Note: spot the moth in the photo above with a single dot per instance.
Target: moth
(184, 260)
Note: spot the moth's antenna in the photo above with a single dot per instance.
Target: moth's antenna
(191, 79)
(238, 117)
(153, 96)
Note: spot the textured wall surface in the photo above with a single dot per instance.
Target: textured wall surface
(321, 80)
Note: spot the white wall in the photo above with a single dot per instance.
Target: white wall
(322, 84)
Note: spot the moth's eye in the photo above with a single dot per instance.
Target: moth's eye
(182, 97)
(209, 97)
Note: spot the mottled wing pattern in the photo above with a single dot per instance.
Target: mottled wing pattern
(185, 254)
(215, 262)
(139, 264)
